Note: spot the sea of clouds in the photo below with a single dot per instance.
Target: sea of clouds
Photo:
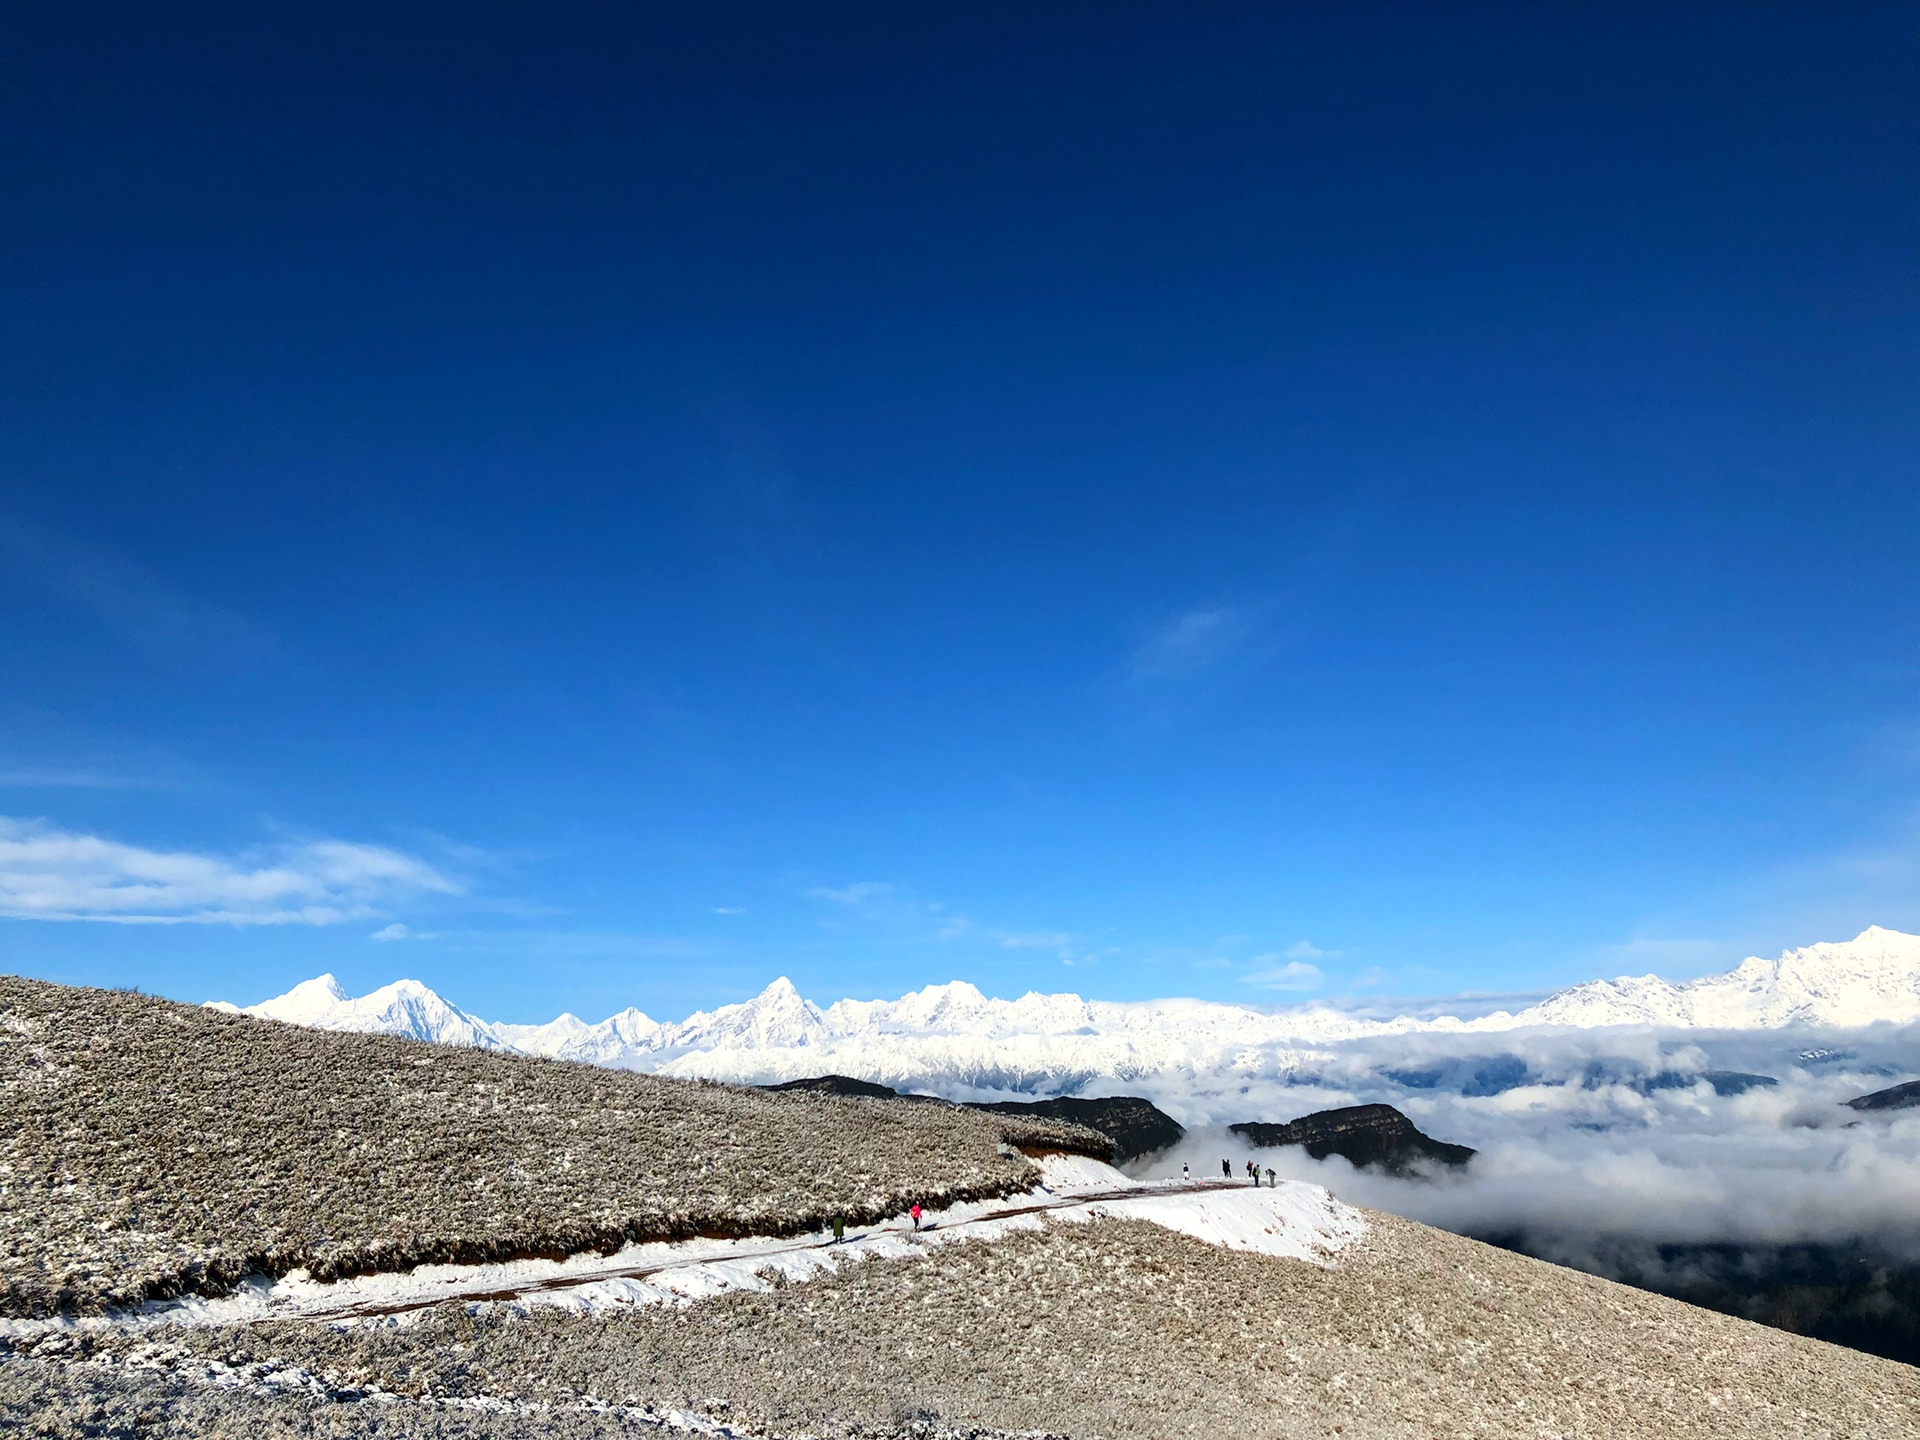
(1591, 1140)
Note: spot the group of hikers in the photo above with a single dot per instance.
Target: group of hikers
(1186, 1173)
(1226, 1170)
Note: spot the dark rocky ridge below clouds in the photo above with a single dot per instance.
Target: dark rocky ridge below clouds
(1136, 1127)
(1894, 1097)
(1374, 1137)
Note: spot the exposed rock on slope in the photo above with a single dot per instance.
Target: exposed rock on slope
(1370, 1136)
(843, 1085)
(1137, 1127)
(148, 1148)
(1894, 1097)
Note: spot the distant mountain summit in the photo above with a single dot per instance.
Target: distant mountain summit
(1875, 976)
(406, 1007)
(954, 1038)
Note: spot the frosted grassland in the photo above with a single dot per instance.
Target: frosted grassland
(154, 1149)
(1297, 1221)
(225, 1130)
(1110, 1328)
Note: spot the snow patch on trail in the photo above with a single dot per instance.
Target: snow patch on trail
(1295, 1221)
(1079, 1175)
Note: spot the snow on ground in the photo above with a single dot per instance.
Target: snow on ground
(1296, 1221)
(1081, 1175)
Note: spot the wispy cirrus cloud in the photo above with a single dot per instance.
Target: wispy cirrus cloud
(129, 599)
(397, 931)
(867, 895)
(882, 905)
(48, 777)
(1193, 641)
(47, 873)
(1277, 972)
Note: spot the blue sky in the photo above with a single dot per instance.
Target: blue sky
(1256, 502)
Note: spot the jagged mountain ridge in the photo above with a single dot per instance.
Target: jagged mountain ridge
(1056, 1043)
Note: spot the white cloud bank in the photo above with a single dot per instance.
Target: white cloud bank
(47, 873)
(1605, 1135)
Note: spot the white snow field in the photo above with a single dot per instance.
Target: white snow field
(1294, 1220)
(955, 1033)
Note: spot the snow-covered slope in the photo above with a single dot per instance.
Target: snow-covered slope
(955, 1035)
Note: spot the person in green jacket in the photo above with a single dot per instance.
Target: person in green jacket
(839, 1228)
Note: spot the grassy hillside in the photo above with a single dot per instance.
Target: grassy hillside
(1117, 1329)
(149, 1149)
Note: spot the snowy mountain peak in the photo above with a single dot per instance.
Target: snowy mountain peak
(405, 1007)
(777, 1017)
(1875, 976)
(953, 1035)
(304, 1003)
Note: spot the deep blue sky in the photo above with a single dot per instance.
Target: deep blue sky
(887, 494)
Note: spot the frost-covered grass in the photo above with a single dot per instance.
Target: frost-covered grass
(150, 1149)
(1300, 1222)
(1114, 1328)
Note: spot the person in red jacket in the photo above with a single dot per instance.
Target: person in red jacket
(915, 1213)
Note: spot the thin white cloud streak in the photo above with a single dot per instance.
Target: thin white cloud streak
(129, 599)
(862, 894)
(1192, 641)
(47, 873)
(398, 931)
(882, 905)
(1289, 975)
(53, 779)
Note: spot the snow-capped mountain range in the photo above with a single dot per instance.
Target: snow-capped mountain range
(955, 1035)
